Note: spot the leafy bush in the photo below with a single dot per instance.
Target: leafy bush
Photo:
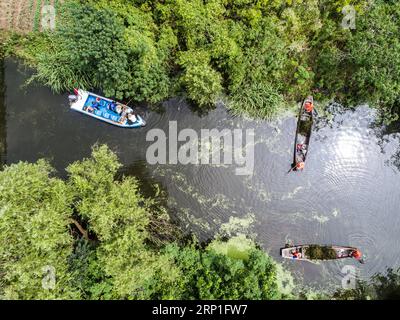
(256, 53)
(97, 233)
(209, 274)
(34, 237)
(203, 84)
(362, 65)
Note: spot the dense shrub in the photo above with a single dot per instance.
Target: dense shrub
(260, 55)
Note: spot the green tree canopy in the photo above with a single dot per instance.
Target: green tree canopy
(34, 221)
(258, 56)
(101, 239)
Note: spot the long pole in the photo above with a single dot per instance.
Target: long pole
(292, 168)
(127, 104)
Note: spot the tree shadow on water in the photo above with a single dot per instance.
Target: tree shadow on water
(164, 227)
(3, 131)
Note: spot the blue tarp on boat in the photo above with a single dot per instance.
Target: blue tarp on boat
(101, 108)
(106, 110)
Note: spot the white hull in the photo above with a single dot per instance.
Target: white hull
(78, 105)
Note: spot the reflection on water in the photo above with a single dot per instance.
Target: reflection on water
(347, 195)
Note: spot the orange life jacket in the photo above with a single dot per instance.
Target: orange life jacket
(309, 107)
(300, 165)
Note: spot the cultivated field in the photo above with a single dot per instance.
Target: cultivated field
(23, 15)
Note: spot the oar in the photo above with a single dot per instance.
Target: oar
(127, 104)
(291, 169)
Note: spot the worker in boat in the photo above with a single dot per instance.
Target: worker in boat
(112, 107)
(124, 115)
(295, 254)
(95, 105)
(309, 107)
(300, 165)
(356, 254)
(301, 147)
(131, 117)
(119, 109)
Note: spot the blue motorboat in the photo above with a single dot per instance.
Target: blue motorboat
(105, 109)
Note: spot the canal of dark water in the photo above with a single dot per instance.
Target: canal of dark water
(349, 193)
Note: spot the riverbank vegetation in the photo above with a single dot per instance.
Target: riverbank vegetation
(381, 286)
(93, 236)
(256, 56)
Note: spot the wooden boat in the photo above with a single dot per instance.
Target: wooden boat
(303, 134)
(105, 109)
(312, 252)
